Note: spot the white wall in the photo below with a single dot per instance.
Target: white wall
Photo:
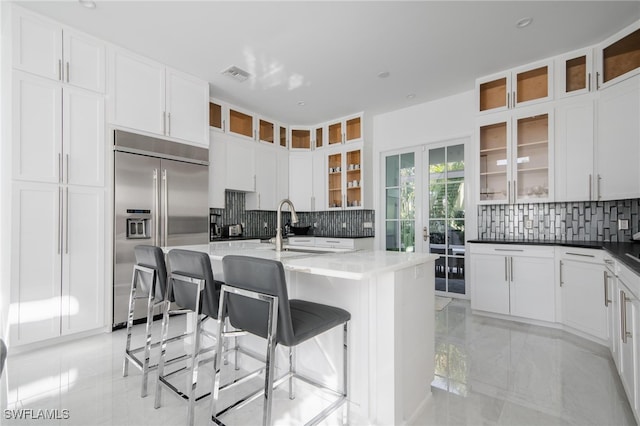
(429, 123)
(5, 167)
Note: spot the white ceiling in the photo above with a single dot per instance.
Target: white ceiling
(328, 54)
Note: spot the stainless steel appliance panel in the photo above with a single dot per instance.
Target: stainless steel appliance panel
(185, 189)
(136, 196)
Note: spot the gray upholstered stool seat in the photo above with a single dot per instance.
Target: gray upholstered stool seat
(149, 282)
(256, 300)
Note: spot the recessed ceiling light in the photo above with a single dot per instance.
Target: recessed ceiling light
(88, 4)
(300, 103)
(383, 74)
(411, 95)
(524, 22)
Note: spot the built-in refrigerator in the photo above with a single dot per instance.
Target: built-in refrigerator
(160, 198)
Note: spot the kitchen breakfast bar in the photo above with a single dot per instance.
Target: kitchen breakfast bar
(390, 297)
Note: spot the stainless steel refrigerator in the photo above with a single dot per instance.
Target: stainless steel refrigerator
(160, 198)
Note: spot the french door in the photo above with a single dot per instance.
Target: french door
(424, 193)
(443, 222)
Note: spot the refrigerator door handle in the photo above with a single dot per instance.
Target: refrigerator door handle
(165, 206)
(156, 208)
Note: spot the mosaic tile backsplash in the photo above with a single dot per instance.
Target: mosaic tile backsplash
(329, 223)
(575, 221)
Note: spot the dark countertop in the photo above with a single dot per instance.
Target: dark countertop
(269, 236)
(617, 250)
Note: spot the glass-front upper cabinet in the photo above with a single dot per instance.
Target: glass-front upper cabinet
(515, 162)
(514, 88)
(619, 56)
(334, 181)
(574, 73)
(266, 131)
(348, 129)
(283, 137)
(216, 115)
(300, 138)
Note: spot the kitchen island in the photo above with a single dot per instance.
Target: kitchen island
(390, 297)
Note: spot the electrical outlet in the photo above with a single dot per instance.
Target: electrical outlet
(623, 224)
(367, 225)
(344, 225)
(315, 224)
(528, 224)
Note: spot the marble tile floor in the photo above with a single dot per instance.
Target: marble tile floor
(488, 372)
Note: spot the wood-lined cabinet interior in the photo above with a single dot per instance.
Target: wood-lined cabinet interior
(344, 179)
(348, 129)
(619, 56)
(241, 123)
(300, 138)
(514, 157)
(266, 131)
(518, 87)
(574, 73)
(216, 116)
(284, 142)
(47, 49)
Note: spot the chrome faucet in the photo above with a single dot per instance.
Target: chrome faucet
(294, 220)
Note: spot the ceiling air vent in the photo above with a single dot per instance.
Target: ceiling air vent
(236, 73)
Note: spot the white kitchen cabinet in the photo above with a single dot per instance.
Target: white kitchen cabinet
(151, 98)
(344, 172)
(628, 315)
(575, 73)
(513, 280)
(83, 270)
(301, 181)
(45, 48)
(618, 57)
(282, 176)
(58, 132)
(241, 172)
(346, 129)
(575, 176)
(187, 115)
(319, 181)
(300, 138)
(618, 143)
(217, 171)
(57, 284)
(266, 179)
(515, 152)
(522, 86)
(584, 289)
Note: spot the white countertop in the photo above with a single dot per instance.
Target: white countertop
(354, 265)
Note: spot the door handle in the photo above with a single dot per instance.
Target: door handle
(67, 167)
(561, 273)
(425, 234)
(506, 274)
(606, 289)
(165, 205)
(624, 334)
(156, 207)
(59, 220)
(590, 186)
(169, 123)
(511, 268)
(66, 221)
(67, 71)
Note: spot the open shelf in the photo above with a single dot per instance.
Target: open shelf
(492, 173)
(335, 133)
(353, 129)
(215, 115)
(533, 169)
(499, 149)
(283, 136)
(537, 143)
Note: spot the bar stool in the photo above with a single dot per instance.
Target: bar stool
(149, 281)
(192, 286)
(256, 300)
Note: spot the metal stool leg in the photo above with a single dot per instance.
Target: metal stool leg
(132, 305)
(292, 371)
(147, 343)
(163, 350)
(195, 361)
(345, 374)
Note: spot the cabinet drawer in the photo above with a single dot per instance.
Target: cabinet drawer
(301, 241)
(512, 250)
(582, 254)
(346, 243)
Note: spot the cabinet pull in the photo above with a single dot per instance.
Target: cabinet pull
(67, 71)
(606, 289)
(67, 168)
(598, 188)
(624, 334)
(590, 185)
(59, 167)
(579, 254)
(511, 268)
(60, 69)
(223, 125)
(597, 81)
(505, 270)
(508, 100)
(515, 191)
(518, 250)
(561, 273)
(164, 122)
(59, 220)
(66, 221)
(508, 192)
(589, 80)
(169, 123)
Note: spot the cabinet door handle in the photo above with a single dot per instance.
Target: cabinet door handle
(60, 69)
(597, 81)
(508, 192)
(506, 277)
(590, 186)
(59, 220)
(169, 123)
(59, 167)
(426, 236)
(67, 71)
(598, 188)
(589, 80)
(508, 100)
(66, 221)
(515, 191)
(579, 254)
(511, 268)
(561, 273)
(606, 289)
(518, 250)
(164, 122)
(624, 334)
(67, 168)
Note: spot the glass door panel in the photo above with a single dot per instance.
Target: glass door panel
(446, 213)
(532, 157)
(335, 181)
(400, 193)
(493, 162)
